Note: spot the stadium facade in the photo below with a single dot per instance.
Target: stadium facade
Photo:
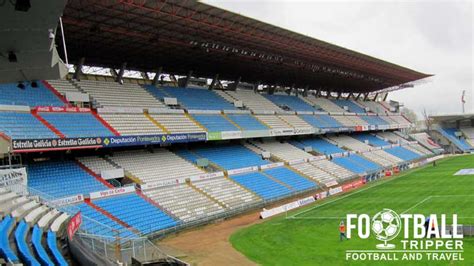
(283, 116)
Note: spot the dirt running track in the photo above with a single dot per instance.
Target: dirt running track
(209, 245)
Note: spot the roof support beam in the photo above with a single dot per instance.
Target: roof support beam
(365, 96)
(339, 94)
(188, 77)
(157, 77)
(318, 92)
(375, 97)
(328, 93)
(78, 69)
(120, 74)
(349, 96)
(214, 81)
(237, 82)
(305, 92)
(358, 96)
(385, 97)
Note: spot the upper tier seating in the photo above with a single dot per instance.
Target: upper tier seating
(284, 151)
(396, 120)
(319, 145)
(294, 180)
(371, 139)
(374, 107)
(177, 123)
(314, 172)
(132, 124)
(230, 156)
(215, 122)
(184, 202)
(139, 214)
(198, 99)
(63, 86)
(99, 224)
(29, 96)
(114, 94)
(353, 107)
(374, 120)
(262, 185)
(253, 101)
(62, 179)
(294, 121)
(247, 122)
(468, 133)
(23, 126)
(226, 192)
(334, 169)
(403, 153)
(292, 102)
(346, 121)
(350, 143)
(75, 125)
(157, 166)
(321, 121)
(273, 121)
(392, 137)
(323, 104)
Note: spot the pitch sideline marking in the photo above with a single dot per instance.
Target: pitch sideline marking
(434, 196)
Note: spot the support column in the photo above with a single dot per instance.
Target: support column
(188, 77)
(120, 74)
(157, 77)
(214, 81)
(78, 69)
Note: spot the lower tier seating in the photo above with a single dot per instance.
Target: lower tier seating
(61, 179)
(141, 215)
(76, 125)
(227, 192)
(293, 179)
(262, 185)
(184, 202)
(314, 172)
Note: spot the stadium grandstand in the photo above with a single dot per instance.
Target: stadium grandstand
(453, 132)
(175, 114)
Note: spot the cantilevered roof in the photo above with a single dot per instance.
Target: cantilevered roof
(187, 35)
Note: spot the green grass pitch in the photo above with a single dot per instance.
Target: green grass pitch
(309, 236)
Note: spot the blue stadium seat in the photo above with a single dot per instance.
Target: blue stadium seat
(374, 120)
(262, 185)
(319, 145)
(247, 122)
(104, 226)
(22, 246)
(450, 134)
(156, 92)
(403, 153)
(198, 99)
(188, 155)
(6, 251)
(76, 125)
(349, 165)
(368, 165)
(230, 156)
(215, 122)
(41, 253)
(53, 248)
(29, 96)
(23, 126)
(373, 140)
(329, 121)
(291, 178)
(62, 179)
(293, 102)
(353, 107)
(143, 216)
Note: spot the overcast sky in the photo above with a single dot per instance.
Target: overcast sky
(433, 37)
